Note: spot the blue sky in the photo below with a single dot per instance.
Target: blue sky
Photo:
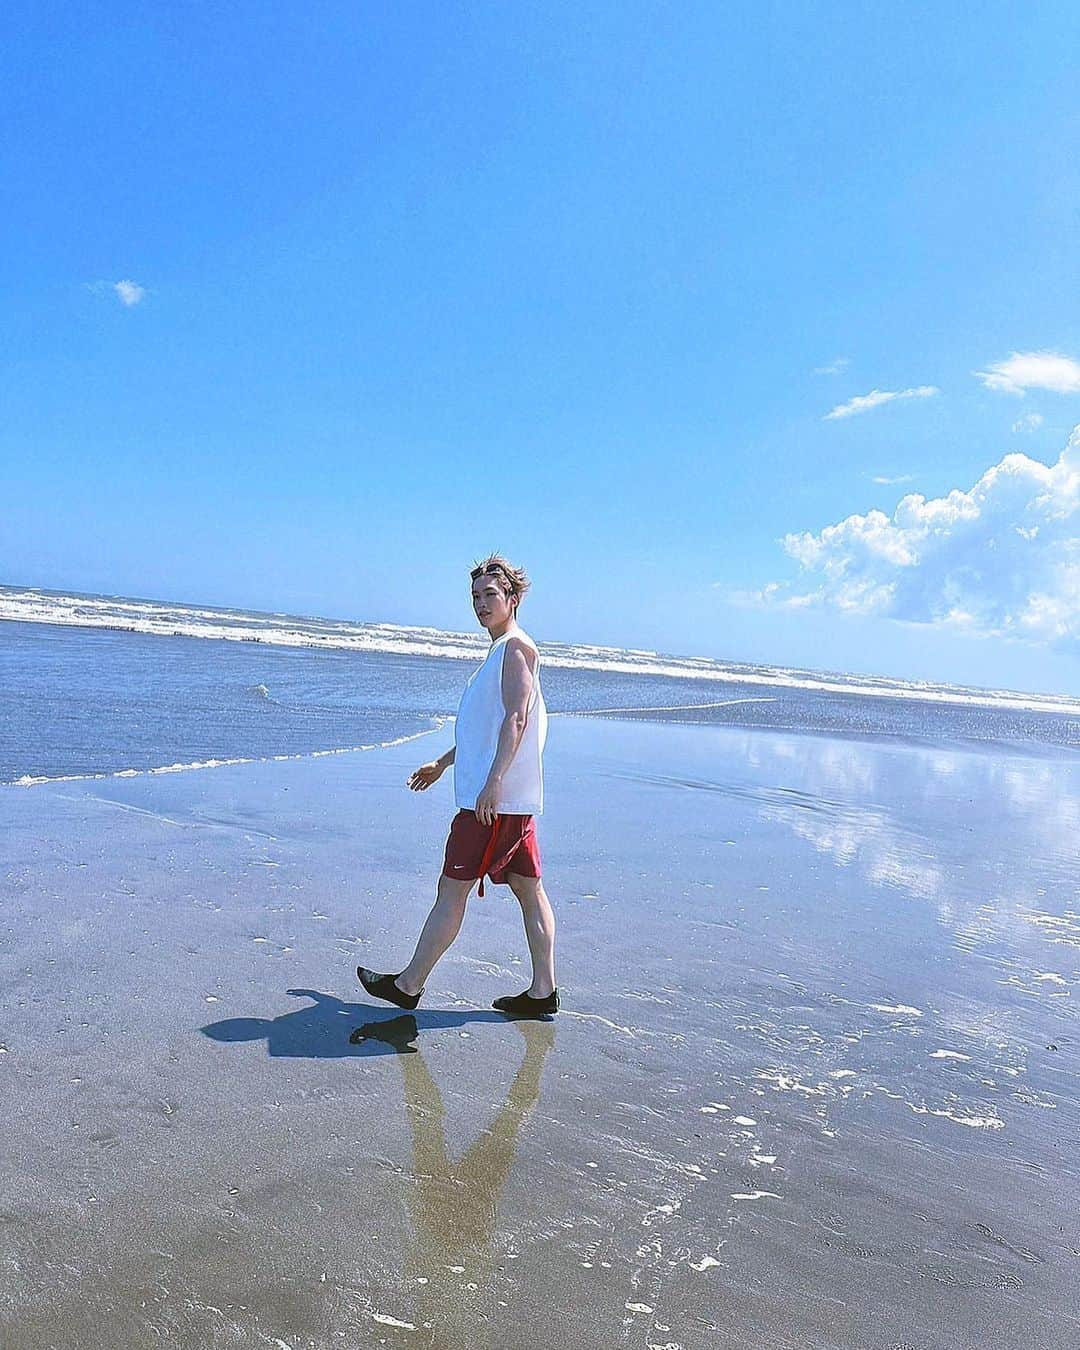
(308, 306)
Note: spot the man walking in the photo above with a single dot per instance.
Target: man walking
(499, 789)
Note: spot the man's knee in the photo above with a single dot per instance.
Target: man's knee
(454, 891)
(527, 889)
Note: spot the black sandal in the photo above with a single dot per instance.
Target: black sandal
(522, 1005)
(384, 987)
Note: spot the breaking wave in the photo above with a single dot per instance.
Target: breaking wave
(190, 621)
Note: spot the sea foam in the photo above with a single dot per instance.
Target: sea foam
(174, 620)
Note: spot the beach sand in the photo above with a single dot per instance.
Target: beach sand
(814, 1084)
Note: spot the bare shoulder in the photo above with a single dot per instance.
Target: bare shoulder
(522, 649)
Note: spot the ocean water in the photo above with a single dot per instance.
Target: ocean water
(93, 685)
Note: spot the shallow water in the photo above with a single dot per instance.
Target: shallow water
(83, 701)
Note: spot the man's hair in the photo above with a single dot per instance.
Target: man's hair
(512, 579)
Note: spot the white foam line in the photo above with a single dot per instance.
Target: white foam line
(788, 1082)
(595, 1017)
(973, 1122)
(392, 1321)
(29, 780)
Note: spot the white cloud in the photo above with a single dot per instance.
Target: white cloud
(864, 402)
(774, 595)
(1000, 559)
(1029, 422)
(129, 292)
(1033, 370)
(834, 367)
(889, 482)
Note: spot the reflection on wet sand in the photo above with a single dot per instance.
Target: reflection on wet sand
(451, 1267)
(904, 817)
(454, 1205)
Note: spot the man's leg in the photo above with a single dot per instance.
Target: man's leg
(440, 929)
(539, 920)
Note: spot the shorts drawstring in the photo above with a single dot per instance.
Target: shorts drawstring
(489, 856)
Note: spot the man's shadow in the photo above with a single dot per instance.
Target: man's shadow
(329, 1028)
(454, 1204)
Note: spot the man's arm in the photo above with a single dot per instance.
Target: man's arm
(517, 684)
(427, 774)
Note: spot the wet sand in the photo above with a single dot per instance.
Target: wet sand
(814, 1085)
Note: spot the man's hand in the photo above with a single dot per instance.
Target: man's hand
(487, 804)
(427, 774)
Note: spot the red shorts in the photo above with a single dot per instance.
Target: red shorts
(473, 850)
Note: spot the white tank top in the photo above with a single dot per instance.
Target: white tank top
(480, 717)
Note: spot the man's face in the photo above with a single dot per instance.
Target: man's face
(492, 604)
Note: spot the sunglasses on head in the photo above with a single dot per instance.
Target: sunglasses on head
(491, 570)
